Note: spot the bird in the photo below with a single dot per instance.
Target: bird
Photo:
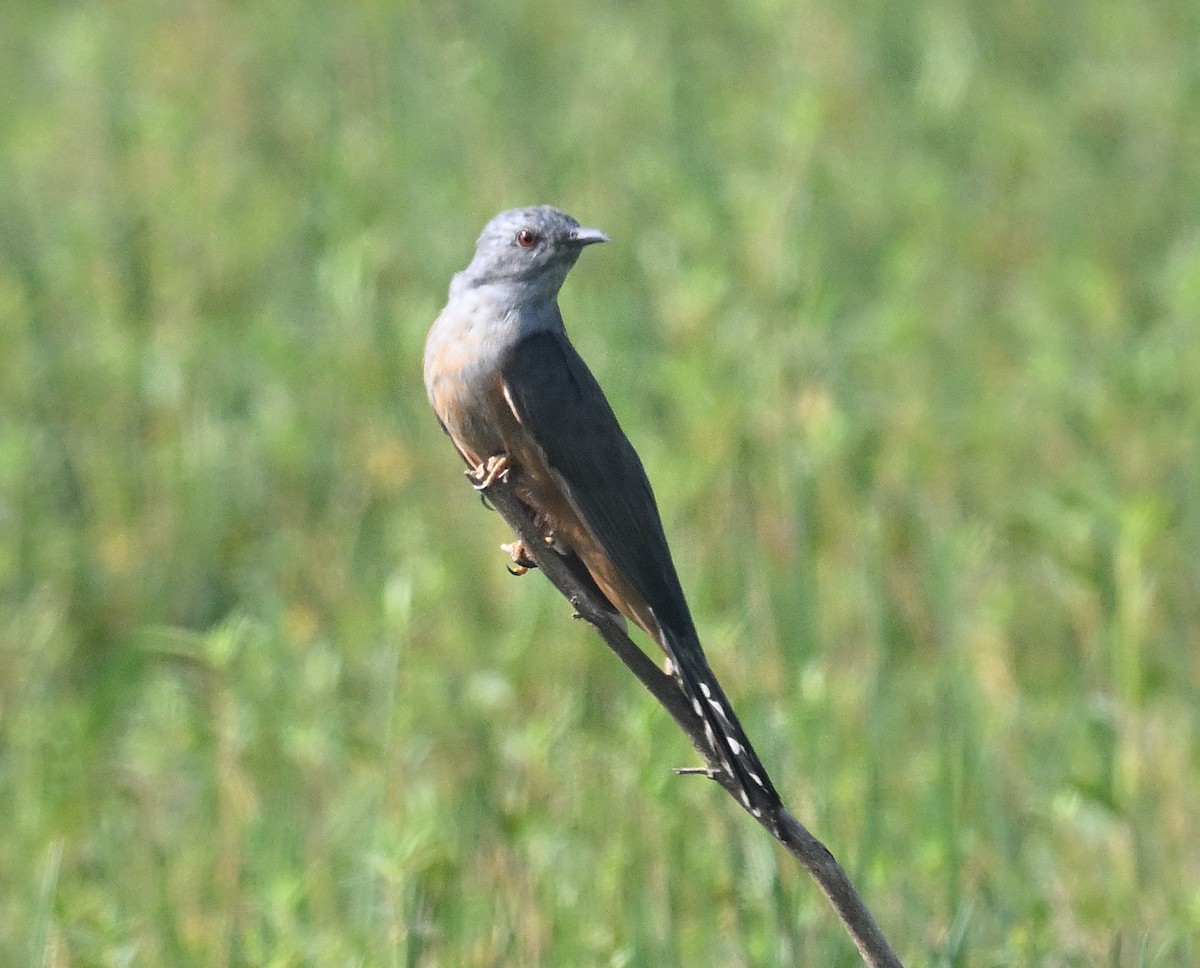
(520, 405)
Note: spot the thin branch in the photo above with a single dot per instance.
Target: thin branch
(816, 858)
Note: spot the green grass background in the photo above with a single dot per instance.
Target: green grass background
(903, 313)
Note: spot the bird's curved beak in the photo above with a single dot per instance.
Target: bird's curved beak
(582, 237)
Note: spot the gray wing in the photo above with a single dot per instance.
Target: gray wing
(558, 401)
(560, 404)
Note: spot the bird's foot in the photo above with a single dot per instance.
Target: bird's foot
(522, 559)
(495, 468)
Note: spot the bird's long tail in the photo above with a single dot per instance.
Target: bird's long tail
(726, 739)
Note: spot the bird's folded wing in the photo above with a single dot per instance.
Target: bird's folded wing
(559, 403)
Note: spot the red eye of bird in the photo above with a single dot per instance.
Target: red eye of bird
(527, 238)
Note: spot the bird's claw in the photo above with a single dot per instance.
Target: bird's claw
(522, 560)
(495, 468)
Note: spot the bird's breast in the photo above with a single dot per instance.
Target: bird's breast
(463, 355)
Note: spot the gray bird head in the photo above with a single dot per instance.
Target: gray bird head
(535, 247)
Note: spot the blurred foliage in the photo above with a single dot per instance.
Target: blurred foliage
(902, 313)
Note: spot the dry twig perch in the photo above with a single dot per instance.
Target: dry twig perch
(816, 858)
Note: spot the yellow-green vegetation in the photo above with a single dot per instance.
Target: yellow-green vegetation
(903, 313)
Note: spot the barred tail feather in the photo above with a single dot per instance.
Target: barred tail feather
(726, 740)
